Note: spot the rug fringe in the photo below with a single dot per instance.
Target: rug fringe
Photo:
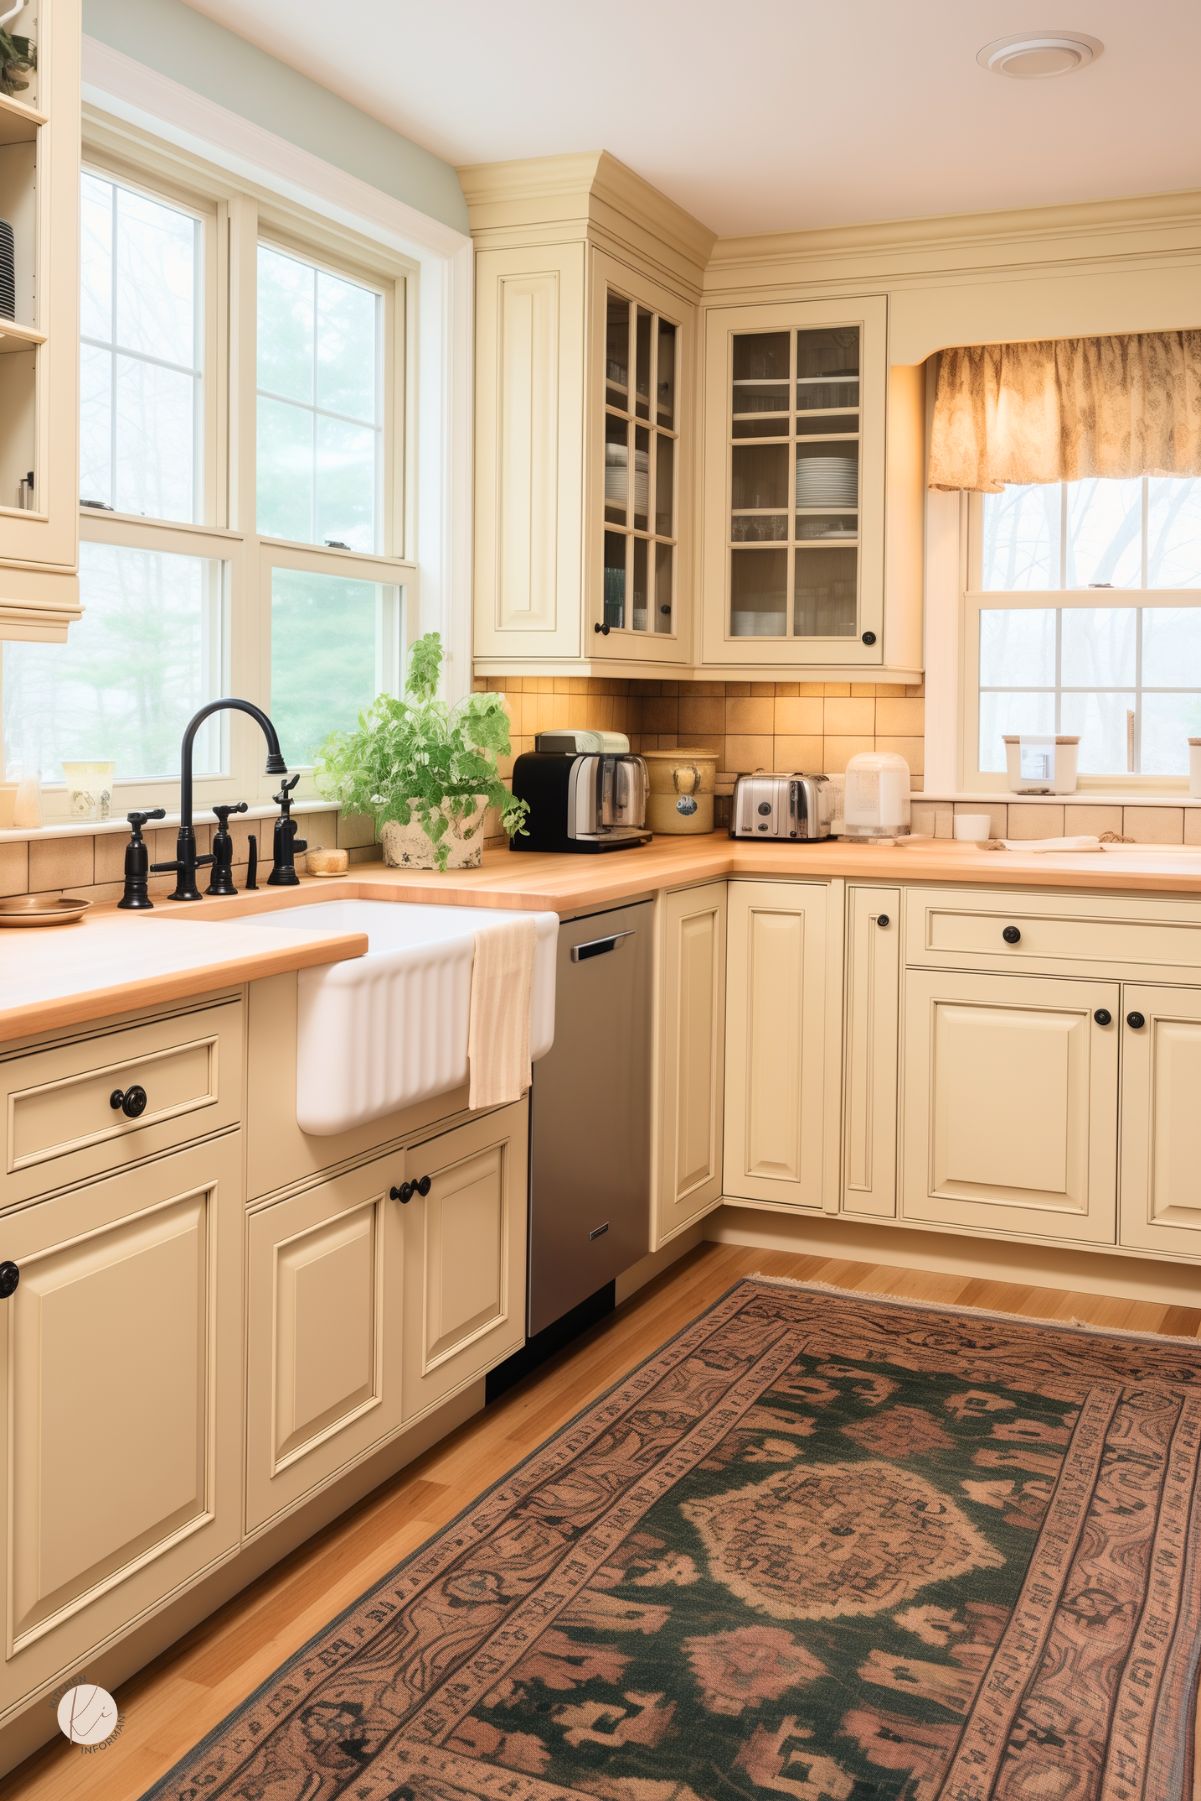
(1029, 1319)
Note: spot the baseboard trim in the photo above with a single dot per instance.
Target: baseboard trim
(999, 1260)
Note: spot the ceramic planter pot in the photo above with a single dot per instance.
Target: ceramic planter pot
(408, 846)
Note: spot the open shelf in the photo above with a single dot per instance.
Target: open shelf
(19, 123)
(15, 337)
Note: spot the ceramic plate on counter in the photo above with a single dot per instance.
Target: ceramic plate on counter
(41, 910)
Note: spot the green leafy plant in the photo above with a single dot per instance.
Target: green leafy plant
(18, 56)
(419, 758)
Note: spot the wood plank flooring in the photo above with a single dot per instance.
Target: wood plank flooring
(179, 1697)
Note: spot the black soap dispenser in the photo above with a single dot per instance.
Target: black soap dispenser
(137, 861)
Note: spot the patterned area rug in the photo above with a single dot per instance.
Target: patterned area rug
(818, 1548)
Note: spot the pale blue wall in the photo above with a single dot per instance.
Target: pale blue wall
(182, 44)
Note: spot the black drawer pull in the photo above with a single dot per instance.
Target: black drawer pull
(598, 947)
(10, 1275)
(423, 1186)
(869, 637)
(883, 921)
(1012, 935)
(129, 1101)
(1136, 1021)
(1103, 1016)
(604, 630)
(403, 1194)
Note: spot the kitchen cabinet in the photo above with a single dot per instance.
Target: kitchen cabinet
(689, 1058)
(870, 1055)
(39, 345)
(120, 1377)
(776, 1052)
(1160, 1119)
(587, 290)
(465, 1254)
(1010, 1104)
(325, 1327)
(793, 566)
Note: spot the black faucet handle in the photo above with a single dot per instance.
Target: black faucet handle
(284, 797)
(138, 820)
(222, 814)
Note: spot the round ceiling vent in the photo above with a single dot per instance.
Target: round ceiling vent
(1035, 55)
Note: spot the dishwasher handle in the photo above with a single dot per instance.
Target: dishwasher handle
(597, 947)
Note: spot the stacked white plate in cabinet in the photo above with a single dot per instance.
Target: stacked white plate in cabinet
(827, 482)
(617, 477)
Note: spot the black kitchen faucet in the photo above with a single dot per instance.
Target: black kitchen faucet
(185, 861)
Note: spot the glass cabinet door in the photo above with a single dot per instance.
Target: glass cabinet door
(640, 437)
(794, 483)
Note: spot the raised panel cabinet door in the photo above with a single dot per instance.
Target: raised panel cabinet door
(529, 451)
(871, 1054)
(1010, 1104)
(120, 1379)
(691, 1059)
(464, 1308)
(776, 1043)
(1160, 1206)
(324, 1333)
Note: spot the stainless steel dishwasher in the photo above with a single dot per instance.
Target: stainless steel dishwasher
(591, 1115)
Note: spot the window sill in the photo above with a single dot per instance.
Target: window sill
(1081, 797)
(91, 828)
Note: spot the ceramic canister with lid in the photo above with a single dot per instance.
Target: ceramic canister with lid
(681, 790)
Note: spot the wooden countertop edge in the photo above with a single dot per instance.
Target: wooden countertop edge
(173, 985)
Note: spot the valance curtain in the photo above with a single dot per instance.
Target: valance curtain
(1065, 408)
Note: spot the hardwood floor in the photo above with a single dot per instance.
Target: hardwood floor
(175, 1701)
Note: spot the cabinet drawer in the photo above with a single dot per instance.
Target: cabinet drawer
(1055, 933)
(60, 1122)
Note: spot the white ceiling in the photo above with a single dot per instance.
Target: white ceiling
(764, 115)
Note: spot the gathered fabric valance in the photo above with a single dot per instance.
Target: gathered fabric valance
(1065, 408)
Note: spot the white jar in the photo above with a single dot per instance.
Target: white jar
(876, 797)
(1194, 767)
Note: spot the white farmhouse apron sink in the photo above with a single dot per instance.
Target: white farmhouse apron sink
(380, 1032)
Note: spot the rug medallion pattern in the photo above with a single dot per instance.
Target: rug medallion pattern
(818, 1548)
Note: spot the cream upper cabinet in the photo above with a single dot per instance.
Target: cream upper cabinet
(465, 1254)
(811, 491)
(777, 1129)
(1161, 1120)
(587, 290)
(870, 1053)
(324, 1333)
(120, 1377)
(1010, 1104)
(690, 1058)
(39, 346)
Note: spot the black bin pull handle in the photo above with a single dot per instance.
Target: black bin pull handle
(598, 947)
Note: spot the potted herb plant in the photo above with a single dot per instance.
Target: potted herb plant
(424, 770)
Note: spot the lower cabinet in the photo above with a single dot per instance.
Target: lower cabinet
(1161, 1119)
(870, 1053)
(1010, 1104)
(690, 1066)
(375, 1295)
(120, 1374)
(776, 1050)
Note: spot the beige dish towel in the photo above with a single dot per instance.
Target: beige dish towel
(1046, 844)
(498, 1031)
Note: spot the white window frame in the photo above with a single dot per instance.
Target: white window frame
(155, 133)
(975, 600)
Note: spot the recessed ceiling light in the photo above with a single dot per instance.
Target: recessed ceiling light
(1036, 55)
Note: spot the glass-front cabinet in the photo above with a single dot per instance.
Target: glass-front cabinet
(637, 423)
(794, 484)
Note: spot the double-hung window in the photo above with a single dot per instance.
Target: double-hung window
(243, 472)
(1083, 616)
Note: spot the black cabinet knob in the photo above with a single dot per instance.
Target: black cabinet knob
(10, 1275)
(424, 1185)
(129, 1101)
(883, 920)
(403, 1194)
(869, 637)
(1012, 935)
(1103, 1016)
(604, 630)
(1136, 1021)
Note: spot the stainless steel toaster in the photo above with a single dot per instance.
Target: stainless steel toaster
(780, 806)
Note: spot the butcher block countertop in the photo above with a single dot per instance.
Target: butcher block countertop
(113, 962)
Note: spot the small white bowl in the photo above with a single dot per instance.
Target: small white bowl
(973, 827)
